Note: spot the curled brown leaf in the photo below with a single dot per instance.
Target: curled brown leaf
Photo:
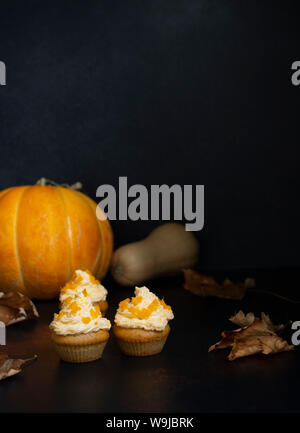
(242, 320)
(10, 367)
(16, 307)
(204, 285)
(254, 336)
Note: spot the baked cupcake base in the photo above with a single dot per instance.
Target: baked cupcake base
(80, 347)
(140, 342)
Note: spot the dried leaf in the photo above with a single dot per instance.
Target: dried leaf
(16, 307)
(10, 367)
(254, 336)
(227, 340)
(241, 320)
(204, 285)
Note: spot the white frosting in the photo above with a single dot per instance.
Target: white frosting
(158, 319)
(78, 316)
(95, 290)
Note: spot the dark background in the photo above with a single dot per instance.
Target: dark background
(188, 92)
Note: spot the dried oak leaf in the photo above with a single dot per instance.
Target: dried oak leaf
(204, 285)
(10, 367)
(242, 320)
(254, 336)
(16, 307)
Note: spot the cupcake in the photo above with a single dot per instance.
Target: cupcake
(141, 324)
(84, 280)
(79, 333)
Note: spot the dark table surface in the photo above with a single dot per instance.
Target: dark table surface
(183, 378)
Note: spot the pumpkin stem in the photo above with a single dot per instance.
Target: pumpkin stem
(43, 182)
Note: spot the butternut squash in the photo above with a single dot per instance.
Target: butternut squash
(166, 251)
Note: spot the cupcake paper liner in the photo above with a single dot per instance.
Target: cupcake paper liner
(87, 353)
(138, 348)
(80, 347)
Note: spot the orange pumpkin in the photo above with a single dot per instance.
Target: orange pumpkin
(46, 232)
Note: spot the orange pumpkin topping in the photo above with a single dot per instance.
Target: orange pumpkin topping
(73, 283)
(74, 307)
(141, 313)
(144, 313)
(68, 300)
(92, 278)
(166, 307)
(124, 304)
(60, 315)
(136, 300)
(85, 320)
(95, 312)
